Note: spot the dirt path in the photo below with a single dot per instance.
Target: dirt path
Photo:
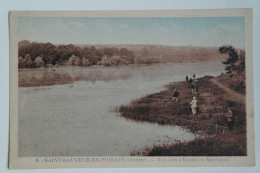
(213, 97)
(234, 96)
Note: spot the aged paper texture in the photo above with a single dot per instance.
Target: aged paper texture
(131, 88)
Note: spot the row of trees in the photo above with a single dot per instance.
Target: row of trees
(46, 54)
(106, 61)
(180, 53)
(69, 54)
(27, 62)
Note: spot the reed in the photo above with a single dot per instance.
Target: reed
(210, 122)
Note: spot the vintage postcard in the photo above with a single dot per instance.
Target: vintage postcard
(131, 88)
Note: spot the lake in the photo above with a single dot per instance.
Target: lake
(75, 118)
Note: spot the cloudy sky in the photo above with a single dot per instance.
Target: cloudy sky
(195, 31)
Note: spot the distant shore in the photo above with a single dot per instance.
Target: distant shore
(57, 75)
(35, 55)
(214, 96)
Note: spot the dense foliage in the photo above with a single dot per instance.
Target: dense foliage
(33, 54)
(234, 62)
(69, 54)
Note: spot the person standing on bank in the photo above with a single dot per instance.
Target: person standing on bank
(187, 79)
(193, 87)
(229, 116)
(196, 89)
(193, 104)
(175, 95)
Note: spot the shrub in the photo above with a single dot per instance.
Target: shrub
(115, 60)
(21, 62)
(27, 61)
(74, 60)
(106, 61)
(38, 62)
(85, 62)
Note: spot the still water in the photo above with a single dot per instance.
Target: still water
(75, 119)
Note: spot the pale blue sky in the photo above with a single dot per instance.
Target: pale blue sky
(196, 31)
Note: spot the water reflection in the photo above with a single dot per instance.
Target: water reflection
(62, 75)
(75, 119)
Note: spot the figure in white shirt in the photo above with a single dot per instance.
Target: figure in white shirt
(194, 105)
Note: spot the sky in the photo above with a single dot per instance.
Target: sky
(172, 31)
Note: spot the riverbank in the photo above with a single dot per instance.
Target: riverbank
(214, 96)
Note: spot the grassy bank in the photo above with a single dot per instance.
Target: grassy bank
(214, 96)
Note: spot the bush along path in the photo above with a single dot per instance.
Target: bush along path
(210, 121)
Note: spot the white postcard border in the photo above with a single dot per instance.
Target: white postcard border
(16, 162)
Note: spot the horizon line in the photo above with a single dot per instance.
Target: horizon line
(101, 44)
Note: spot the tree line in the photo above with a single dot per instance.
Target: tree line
(34, 54)
(46, 54)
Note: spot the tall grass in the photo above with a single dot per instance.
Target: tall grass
(210, 121)
(225, 145)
